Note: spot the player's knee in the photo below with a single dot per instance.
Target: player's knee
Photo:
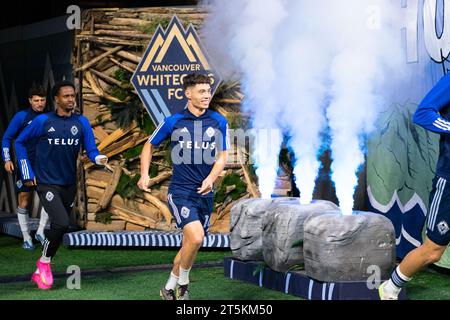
(434, 256)
(197, 240)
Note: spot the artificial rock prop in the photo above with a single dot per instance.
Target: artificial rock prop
(282, 231)
(246, 231)
(348, 248)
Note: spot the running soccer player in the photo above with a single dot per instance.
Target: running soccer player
(59, 136)
(37, 100)
(432, 114)
(198, 144)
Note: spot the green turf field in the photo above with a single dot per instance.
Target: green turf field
(206, 283)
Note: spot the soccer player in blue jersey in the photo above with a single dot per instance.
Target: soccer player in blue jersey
(59, 136)
(433, 114)
(37, 100)
(199, 144)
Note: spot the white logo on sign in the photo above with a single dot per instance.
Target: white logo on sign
(443, 227)
(74, 130)
(210, 132)
(51, 129)
(185, 212)
(49, 196)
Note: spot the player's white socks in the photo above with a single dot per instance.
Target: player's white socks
(42, 222)
(22, 216)
(45, 259)
(172, 282)
(184, 276)
(397, 282)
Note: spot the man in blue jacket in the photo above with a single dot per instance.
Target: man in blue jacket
(37, 100)
(59, 137)
(199, 144)
(433, 114)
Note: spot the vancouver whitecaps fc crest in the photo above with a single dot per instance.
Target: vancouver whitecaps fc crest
(210, 132)
(74, 130)
(19, 184)
(443, 227)
(49, 196)
(185, 212)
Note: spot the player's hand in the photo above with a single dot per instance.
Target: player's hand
(207, 187)
(101, 160)
(9, 166)
(143, 183)
(30, 183)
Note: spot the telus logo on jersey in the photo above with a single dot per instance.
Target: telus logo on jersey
(205, 145)
(63, 142)
(197, 146)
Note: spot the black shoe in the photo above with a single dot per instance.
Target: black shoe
(182, 292)
(167, 294)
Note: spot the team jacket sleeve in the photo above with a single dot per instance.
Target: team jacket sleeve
(427, 114)
(161, 133)
(225, 138)
(10, 133)
(89, 140)
(32, 131)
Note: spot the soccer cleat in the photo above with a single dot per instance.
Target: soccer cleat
(167, 294)
(45, 272)
(40, 238)
(384, 295)
(182, 292)
(28, 245)
(37, 279)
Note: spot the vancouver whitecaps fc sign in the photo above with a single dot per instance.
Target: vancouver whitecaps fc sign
(171, 55)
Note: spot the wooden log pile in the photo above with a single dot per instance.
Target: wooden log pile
(107, 50)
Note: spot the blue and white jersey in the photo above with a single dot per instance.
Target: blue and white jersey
(433, 114)
(59, 140)
(194, 143)
(20, 120)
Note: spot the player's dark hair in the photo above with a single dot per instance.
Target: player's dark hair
(196, 78)
(59, 85)
(37, 90)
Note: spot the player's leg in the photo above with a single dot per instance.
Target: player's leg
(40, 233)
(194, 233)
(23, 218)
(51, 199)
(168, 291)
(184, 211)
(434, 246)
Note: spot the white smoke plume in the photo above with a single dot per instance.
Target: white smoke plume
(304, 65)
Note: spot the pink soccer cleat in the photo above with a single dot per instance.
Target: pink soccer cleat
(45, 272)
(36, 277)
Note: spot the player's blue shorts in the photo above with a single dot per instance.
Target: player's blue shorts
(438, 219)
(187, 209)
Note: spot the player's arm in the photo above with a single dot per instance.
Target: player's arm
(8, 136)
(221, 160)
(32, 131)
(427, 114)
(89, 144)
(161, 133)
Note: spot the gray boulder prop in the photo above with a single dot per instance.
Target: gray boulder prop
(282, 227)
(349, 248)
(246, 231)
